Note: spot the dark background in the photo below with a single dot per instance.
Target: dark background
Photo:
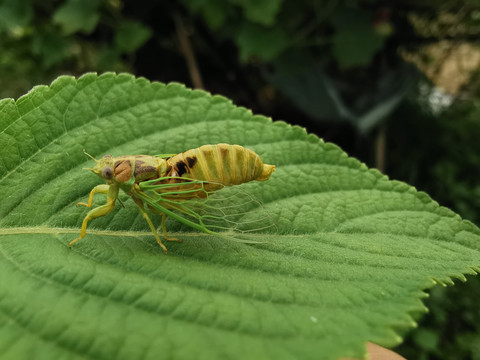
(394, 83)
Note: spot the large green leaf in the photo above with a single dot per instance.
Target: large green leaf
(353, 253)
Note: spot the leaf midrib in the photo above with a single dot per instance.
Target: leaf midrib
(59, 230)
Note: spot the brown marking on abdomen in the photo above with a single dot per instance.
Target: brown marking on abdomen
(191, 161)
(223, 150)
(181, 168)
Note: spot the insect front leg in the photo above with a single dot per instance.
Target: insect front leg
(152, 227)
(99, 189)
(103, 210)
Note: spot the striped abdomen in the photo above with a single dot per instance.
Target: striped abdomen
(222, 163)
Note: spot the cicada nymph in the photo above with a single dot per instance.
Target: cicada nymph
(195, 187)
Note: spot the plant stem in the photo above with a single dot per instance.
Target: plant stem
(380, 147)
(187, 50)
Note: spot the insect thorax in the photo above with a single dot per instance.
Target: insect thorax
(120, 169)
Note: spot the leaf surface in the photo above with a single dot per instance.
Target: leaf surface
(352, 257)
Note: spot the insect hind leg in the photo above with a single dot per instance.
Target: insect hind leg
(150, 224)
(165, 236)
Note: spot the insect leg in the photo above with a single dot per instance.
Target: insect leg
(99, 189)
(152, 227)
(165, 236)
(103, 210)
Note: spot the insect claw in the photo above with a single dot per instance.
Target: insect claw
(73, 242)
(173, 239)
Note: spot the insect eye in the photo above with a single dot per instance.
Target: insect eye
(107, 173)
(107, 156)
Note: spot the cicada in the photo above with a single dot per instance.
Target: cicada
(178, 186)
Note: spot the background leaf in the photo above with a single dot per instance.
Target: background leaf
(51, 47)
(353, 27)
(260, 11)
(214, 11)
(266, 43)
(353, 253)
(131, 35)
(15, 14)
(78, 15)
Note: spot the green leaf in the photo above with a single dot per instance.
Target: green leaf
(426, 339)
(266, 43)
(131, 35)
(354, 27)
(261, 12)
(109, 58)
(78, 15)
(305, 83)
(213, 11)
(15, 14)
(350, 263)
(52, 47)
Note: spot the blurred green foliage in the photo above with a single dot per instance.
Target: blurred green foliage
(41, 40)
(307, 39)
(450, 330)
(336, 67)
(446, 164)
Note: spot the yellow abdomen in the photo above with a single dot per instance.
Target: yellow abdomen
(222, 163)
